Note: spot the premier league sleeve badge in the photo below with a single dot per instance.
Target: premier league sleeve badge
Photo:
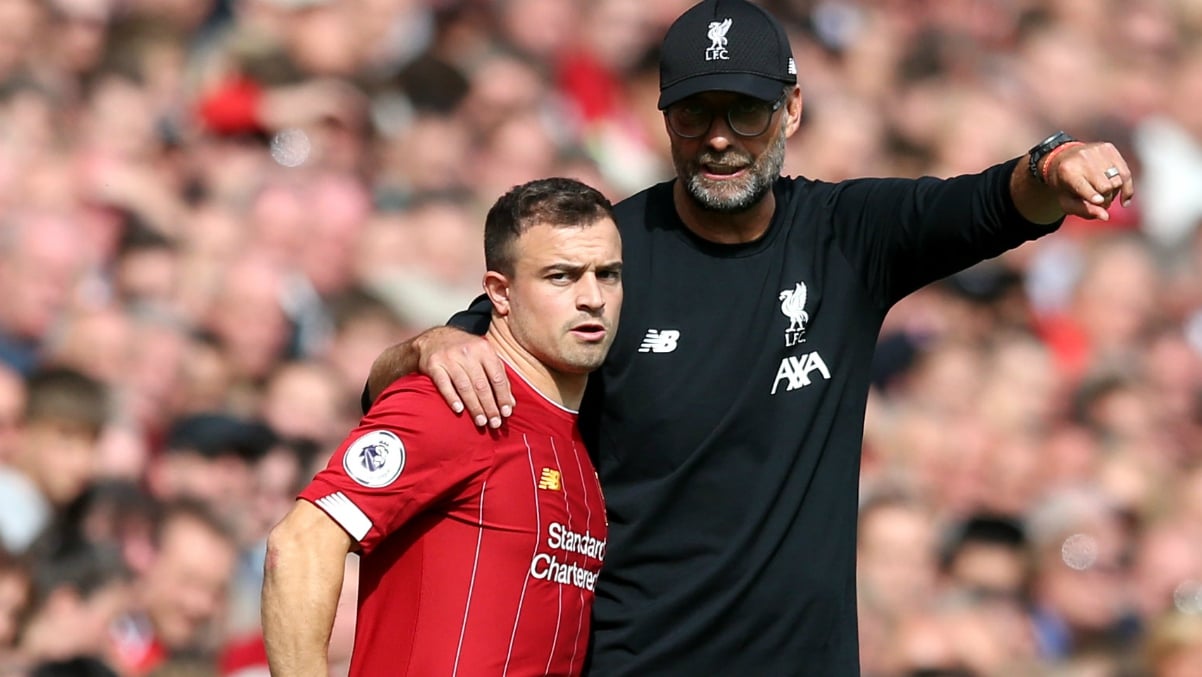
(375, 459)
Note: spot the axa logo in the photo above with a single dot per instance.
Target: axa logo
(717, 35)
(793, 305)
(659, 341)
(800, 371)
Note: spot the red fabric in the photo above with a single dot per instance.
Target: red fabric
(1068, 343)
(232, 108)
(243, 654)
(590, 85)
(1122, 219)
(137, 654)
(481, 554)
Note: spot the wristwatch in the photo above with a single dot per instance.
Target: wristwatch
(1041, 150)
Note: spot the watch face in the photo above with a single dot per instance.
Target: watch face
(1041, 150)
(1053, 141)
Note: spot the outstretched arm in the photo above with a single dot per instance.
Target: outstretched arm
(302, 578)
(1078, 183)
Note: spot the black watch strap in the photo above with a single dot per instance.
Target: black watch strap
(1041, 150)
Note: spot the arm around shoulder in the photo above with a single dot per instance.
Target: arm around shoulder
(302, 578)
(464, 367)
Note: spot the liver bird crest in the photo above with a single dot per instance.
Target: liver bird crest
(793, 305)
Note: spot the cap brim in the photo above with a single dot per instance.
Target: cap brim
(758, 86)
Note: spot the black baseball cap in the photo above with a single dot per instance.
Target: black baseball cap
(728, 46)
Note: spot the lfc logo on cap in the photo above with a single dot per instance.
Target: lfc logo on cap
(717, 35)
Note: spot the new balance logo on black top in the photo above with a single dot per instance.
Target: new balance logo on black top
(659, 341)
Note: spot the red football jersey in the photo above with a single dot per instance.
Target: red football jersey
(480, 547)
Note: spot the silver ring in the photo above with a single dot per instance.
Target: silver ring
(1112, 172)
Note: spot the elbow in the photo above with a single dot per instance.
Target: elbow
(284, 542)
(305, 534)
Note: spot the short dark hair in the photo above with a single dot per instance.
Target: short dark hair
(63, 395)
(86, 568)
(555, 201)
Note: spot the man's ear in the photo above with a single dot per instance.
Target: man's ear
(496, 285)
(793, 106)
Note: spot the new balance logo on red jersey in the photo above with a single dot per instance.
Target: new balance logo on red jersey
(550, 480)
(659, 341)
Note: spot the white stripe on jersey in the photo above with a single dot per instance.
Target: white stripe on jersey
(471, 586)
(559, 588)
(538, 529)
(345, 513)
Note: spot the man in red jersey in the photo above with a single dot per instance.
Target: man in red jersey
(480, 547)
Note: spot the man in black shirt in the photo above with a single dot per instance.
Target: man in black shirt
(726, 423)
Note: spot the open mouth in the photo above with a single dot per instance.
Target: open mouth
(589, 331)
(722, 171)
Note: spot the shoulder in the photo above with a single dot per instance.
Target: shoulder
(644, 207)
(413, 402)
(412, 411)
(407, 389)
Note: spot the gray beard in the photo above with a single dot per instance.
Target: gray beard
(753, 188)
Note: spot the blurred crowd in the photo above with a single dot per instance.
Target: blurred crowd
(214, 214)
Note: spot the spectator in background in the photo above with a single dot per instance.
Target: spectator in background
(1078, 602)
(64, 414)
(986, 556)
(40, 263)
(895, 554)
(248, 317)
(210, 458)
(181, 599)
(306, 400)
(364, 324)
(79, 591)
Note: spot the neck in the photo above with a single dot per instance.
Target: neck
(566, 390)
(724, 227)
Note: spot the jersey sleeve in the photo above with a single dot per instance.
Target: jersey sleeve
(902, 234)
(408, 454)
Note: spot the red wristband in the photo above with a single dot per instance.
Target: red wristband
(1047, 161)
